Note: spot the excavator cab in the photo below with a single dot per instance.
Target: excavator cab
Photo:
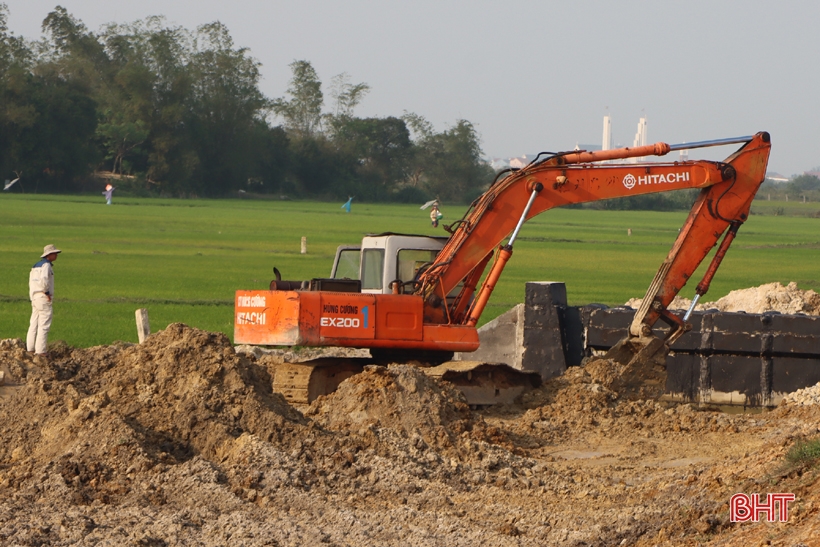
(386, 263)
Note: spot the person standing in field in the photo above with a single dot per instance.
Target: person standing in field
(435, 215)
(41, 292)
(109, 193)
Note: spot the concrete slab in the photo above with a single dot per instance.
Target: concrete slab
(529, 337)
(502, 340)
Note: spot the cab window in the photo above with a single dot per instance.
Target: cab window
(372, 268)
(348, 265)
(410, 260)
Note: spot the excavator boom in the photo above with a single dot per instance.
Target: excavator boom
(728, 189)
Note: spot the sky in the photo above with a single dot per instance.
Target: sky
(533, 75)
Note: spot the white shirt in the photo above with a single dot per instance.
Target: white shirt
(41, 280)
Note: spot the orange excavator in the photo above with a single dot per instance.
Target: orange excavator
(428, 305)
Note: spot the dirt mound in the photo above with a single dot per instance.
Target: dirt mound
(183, 383)
(769, 297)
(585, 398)
(404, 399)
(97, 416)
(598, 383)
(184, 440)
(180, 441)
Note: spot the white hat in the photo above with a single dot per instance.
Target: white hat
(49, 249)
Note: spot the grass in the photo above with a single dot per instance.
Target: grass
(804, 453)
(791, 208)
(183, 259)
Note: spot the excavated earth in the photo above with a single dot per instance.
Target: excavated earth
(765, 298)
(181, 441)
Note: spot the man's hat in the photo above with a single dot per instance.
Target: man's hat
(49, 249)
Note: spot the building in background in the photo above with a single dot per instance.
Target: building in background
(777, 178)
(606, 143)
(640, 136)
(640, 139)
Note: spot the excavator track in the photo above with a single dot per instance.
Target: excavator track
(304, 382)
(482, 384)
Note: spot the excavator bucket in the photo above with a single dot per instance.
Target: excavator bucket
(641, 365)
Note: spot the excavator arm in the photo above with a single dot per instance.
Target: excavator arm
(727, 191)
(718, 211)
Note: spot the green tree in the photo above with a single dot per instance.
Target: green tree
(121, 137)
(73, 52)
(17, 113)
(346, 97)
(48, 119)
(449, 164)
(270, 160)
(804, 187)
(142, 106)
(58, 150)
(302, 113)
(226, 104)
(318, 168)
(422, 132)
(126, 102)
(382, 150)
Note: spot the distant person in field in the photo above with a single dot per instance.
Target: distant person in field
(435, 212)
(435, 215)
(109, 192)
(41, 291)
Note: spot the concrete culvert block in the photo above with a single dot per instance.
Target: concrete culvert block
(529, 336)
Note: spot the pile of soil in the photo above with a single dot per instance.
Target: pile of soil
(404, 400)
(181, 441)
(769, 297)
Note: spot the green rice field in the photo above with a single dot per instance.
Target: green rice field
(183, 259)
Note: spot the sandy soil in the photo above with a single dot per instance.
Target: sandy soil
(765, 298)
(180, 441)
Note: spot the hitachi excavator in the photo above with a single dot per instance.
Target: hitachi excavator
(418, 298)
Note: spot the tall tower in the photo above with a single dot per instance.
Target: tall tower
(607, 141)
(640, 138)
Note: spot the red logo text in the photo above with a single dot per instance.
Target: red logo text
(743, 508)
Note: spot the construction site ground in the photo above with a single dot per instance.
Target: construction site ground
(181, 441)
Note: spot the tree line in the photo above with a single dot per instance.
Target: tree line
(168, 111)
(803, 187)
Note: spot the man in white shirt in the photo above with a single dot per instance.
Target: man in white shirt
(41, 291)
